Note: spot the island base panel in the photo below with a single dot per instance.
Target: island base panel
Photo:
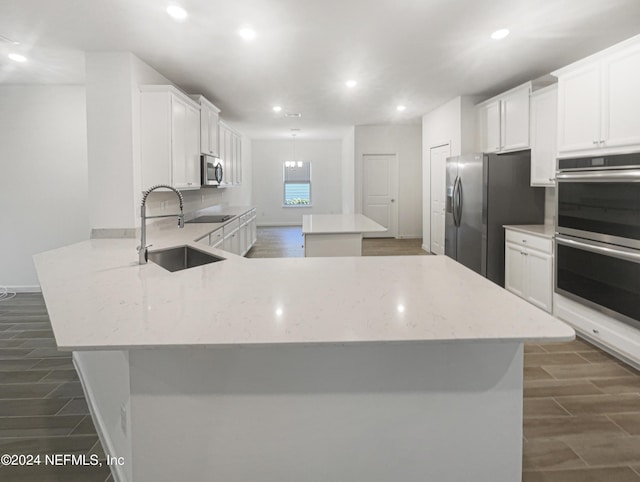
(374, 412)
(318, 245)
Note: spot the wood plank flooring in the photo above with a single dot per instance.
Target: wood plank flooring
(287, 242)
(42, 406)
(581, 406)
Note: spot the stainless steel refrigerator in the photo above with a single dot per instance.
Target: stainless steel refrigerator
(485, 192)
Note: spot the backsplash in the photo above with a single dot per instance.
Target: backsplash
(550, 205)
(166, 202)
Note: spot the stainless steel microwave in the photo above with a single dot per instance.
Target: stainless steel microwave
(212, 172)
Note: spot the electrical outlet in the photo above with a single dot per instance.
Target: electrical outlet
(123, 418)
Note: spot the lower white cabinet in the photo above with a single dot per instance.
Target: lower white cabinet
(238, 236)
(529, 268)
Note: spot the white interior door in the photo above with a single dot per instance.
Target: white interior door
(380, 192)
(438, 159)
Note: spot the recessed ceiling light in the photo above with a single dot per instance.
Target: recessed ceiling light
(277, 108)
(247, 33)
(351, 83)
(17, 57)
(401, 108)
(500, 34)
(177, 12)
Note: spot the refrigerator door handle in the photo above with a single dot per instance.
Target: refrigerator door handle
(456, 222)
(458, 195)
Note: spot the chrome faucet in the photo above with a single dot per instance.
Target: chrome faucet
(142, 249)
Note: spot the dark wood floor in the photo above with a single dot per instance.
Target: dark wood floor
(581, 406)
(42, 406)
(286, 242)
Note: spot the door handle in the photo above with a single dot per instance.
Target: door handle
(454, 207)
(393, 200)
(459, 200)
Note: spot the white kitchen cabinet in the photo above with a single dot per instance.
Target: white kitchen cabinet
(503, 121)
(231, 240)
(544, 147)
(209, 131)
(529, 268)
(216, 237)
(169, 138)
(599, 101)
(489, 126)
(231, 154)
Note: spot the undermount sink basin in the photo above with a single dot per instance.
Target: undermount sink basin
(181, 257)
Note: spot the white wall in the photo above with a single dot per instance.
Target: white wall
(348, 172)
(113, 120)
(406, 142)
(326, 184)
(43, 176)
(452, 123)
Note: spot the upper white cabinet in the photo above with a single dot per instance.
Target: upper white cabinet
(599, 101)
(544, 148)
(169, 138)
(503, 121)
(209, 132)
(489, 126)
(231, 155)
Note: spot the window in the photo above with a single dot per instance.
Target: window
(297, 183)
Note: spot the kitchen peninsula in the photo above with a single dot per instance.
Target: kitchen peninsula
(309, 369)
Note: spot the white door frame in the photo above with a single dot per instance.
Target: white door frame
(393, 188)
(431, 148)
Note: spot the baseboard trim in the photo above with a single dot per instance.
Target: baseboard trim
(117, 471)
(24, 288)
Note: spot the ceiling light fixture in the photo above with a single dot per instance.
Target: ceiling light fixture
(401, 108)
(500, 34)
(277, 108)
(247, 33)
(177, 12)
(17, 57)
(351, 83)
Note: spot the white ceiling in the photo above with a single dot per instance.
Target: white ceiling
(419, 53)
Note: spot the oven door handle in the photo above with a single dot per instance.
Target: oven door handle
(613, 175)
(600, 248)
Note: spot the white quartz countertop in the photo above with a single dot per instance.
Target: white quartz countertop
(99, 297)
(339, 224)
(543, 230)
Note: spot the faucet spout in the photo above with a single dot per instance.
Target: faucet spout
(142, 249)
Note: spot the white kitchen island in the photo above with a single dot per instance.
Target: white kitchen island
(336, 234)
(302, 369)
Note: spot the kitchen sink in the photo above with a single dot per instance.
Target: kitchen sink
(181, 257)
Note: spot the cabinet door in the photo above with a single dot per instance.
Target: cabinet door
(238, 172)
(205, 118)
(544, 128)
(213, 133)
(579, 95)
(178, 142)
(621, 98)
(514, 120)
(489, 118)
(539, 279)
(192, 147)
(514, 264)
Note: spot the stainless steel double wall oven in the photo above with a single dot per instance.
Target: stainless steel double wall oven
(598, 234)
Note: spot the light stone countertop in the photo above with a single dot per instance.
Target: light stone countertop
(99, 297)
(544, 230)
(339, 224)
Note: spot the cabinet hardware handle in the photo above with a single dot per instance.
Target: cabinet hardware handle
(524, 240)
(552, 179)
(596, 142)
(596, 331)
